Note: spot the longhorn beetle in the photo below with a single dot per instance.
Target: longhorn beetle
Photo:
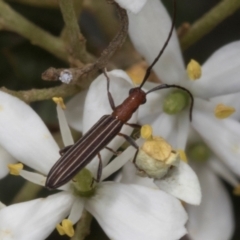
(76, 157)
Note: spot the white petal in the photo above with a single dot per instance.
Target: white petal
(33, 177)
(224, 137)
(74, 111)
(183, 126)
(220, 73)
(134, 5)
(164, 125)
(182, 182)
(5, 159)
(76, 210)
(118, 162)
(35, 219)
(151, 109)
(64, 128)
(148, 31)
(134, 212)
(129, 175)
(213, 219)
(24, 135)
(2, 205)
(222, 171)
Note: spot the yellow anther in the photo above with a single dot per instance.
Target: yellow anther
(146, 132)
(137, 72)
(155, 158)
(236, 190)
(59, 101)
(65, 228)
(157, 148)
(222, 111)
(182, 155)
(194, 70)
(15, 169)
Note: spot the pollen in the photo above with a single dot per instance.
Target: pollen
(15, 169)
(137, 72)
(59, 101)
(222, 111)
(65, 228)
(236, 190)
(155, 156)
(194, 70)
(182, 155)
(146, 132)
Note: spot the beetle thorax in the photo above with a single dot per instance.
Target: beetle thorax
(124, 111)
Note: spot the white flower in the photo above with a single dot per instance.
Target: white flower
(179, 180)
(124, 211)
(220, 76)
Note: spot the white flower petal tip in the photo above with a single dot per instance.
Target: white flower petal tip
(134, 5)
(182, 182)
(74, 111)
(130, 212)
(220, 76)
(24, 135)
(213, 219)
(39, 216)
(2, 205)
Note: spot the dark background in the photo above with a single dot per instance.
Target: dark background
(21, 65)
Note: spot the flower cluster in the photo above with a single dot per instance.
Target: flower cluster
(133, 207)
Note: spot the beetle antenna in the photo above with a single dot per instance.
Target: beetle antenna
(149, 69)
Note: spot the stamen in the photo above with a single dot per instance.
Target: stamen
(222, 111)
(59, 101)
(15, 169)
(236, 190)
(146, 132)
(182, 155)
(194, 70)
(137, 72)
(65, 228)
(155, 157)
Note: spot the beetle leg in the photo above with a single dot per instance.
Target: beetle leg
(117, 153)
(134, 125)
(64, 150)
(110, 98)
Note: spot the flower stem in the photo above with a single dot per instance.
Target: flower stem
(37, 3)
(12, 21)
(43, 94)
(83, 226)
(77, 42)
(209, 21)
(28, 192)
